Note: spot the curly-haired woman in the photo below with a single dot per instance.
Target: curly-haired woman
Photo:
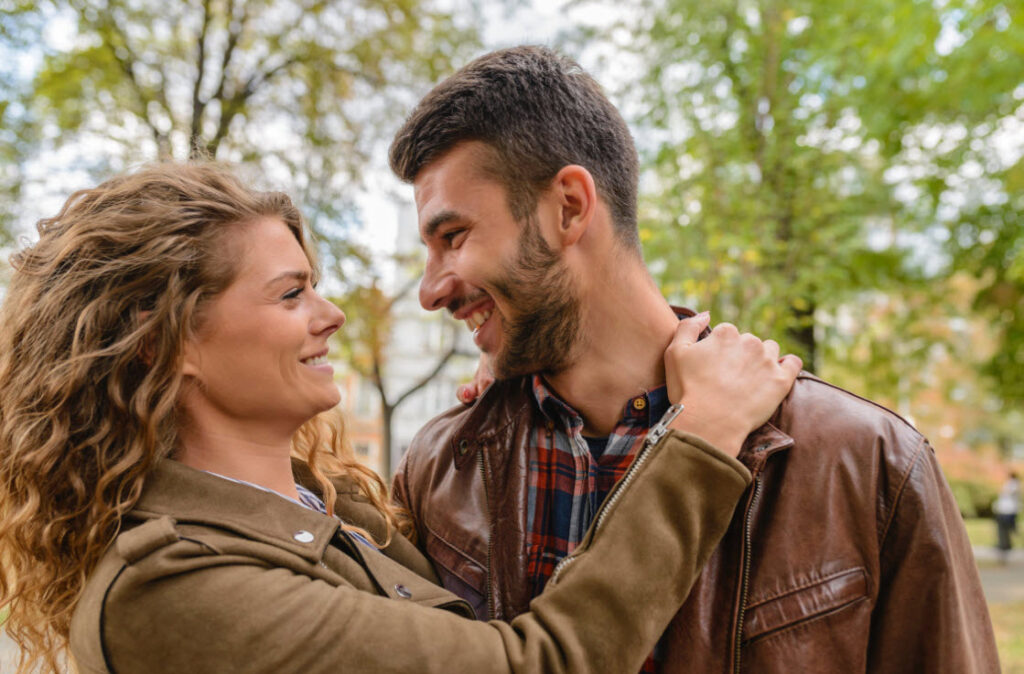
(175, 498)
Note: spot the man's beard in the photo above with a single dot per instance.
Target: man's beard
(543, 335)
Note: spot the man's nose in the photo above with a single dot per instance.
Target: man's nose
(436, 286)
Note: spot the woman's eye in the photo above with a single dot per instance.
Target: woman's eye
(292, 294)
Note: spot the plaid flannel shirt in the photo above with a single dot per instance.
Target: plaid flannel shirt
(570, 475)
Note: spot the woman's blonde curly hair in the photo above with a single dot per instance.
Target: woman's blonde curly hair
(92, 332)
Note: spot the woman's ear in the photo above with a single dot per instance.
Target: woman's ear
(190, 359)
(577, 194)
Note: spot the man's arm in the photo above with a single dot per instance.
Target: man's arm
(931, 615)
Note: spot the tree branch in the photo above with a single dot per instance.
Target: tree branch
(199, 105)
(426, 379)
(235, 30)
(231, 107)
(127, 64)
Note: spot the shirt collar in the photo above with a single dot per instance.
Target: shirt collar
(643, 410)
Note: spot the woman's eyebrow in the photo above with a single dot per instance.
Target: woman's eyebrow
(296, 275)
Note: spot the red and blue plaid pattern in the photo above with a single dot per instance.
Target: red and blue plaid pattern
(570, 475)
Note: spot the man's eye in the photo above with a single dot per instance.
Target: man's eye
(451, 236)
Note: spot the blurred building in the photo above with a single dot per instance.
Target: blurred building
(419, 340)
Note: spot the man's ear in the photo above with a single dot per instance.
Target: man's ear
(574, 187)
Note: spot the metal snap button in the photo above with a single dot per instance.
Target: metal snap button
(402, 591)
(639, 403)
(303, 536)
(463, 446)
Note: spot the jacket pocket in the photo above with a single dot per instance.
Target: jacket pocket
(804, 603)
(459, 573)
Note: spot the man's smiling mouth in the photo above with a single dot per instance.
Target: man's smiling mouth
(478, 318)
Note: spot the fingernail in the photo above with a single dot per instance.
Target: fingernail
(462, 393)
(703, 316)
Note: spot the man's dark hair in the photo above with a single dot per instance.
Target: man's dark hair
(538, 112)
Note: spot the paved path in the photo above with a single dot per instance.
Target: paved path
(1002, 582)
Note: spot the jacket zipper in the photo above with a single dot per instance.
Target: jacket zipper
(490, 541)
(744, 588)
(606, 507)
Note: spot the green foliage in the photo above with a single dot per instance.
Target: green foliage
(806, 160)
(974, 498)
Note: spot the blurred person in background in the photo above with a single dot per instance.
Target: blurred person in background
(175, 496)
(1006, 508)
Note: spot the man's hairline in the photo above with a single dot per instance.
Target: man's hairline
(487, 168)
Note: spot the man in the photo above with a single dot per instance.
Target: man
(847, 554)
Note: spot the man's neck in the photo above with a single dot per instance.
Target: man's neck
(627, 327)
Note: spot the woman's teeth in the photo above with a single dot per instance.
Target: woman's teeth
(315, 360)
(478, 318)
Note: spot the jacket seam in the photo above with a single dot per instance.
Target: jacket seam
(915, 460)
(804, 586)
(812, 378)
(103, 617)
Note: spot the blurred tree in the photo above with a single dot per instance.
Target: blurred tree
(20, 25)
(371, 313)
(802, 156)
(305, 90)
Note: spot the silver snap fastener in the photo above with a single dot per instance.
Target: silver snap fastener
(403, 592)
(303, 536)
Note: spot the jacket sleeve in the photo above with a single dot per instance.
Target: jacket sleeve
(603, 613)
(931, 614)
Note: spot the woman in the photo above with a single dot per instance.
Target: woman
(163, 359)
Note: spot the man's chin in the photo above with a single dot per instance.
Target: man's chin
(502, 369)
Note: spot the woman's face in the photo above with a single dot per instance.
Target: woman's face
(260, 353)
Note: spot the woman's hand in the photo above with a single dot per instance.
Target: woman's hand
(468, 393)
(729, 384)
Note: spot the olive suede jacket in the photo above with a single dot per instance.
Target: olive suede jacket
(847, 553)
(212, 576)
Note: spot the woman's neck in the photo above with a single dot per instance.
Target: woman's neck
(267, 464)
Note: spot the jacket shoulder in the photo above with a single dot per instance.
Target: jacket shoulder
(115, 570)
(841, 419)
(837, 432)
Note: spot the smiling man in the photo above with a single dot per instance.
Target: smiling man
(848, 553)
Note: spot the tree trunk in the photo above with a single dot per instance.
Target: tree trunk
(386, 414)
(802, 333)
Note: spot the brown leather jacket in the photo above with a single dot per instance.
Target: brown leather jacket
(847, 553)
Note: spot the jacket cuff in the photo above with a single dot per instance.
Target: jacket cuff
(715, 453)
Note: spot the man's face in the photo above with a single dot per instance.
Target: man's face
(498, 275)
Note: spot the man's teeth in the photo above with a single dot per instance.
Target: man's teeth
(316, 360)
(478, 318)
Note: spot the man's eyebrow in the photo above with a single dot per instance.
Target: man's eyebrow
(296, 275)
(435, 222)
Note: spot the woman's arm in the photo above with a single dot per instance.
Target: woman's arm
(603, 612)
